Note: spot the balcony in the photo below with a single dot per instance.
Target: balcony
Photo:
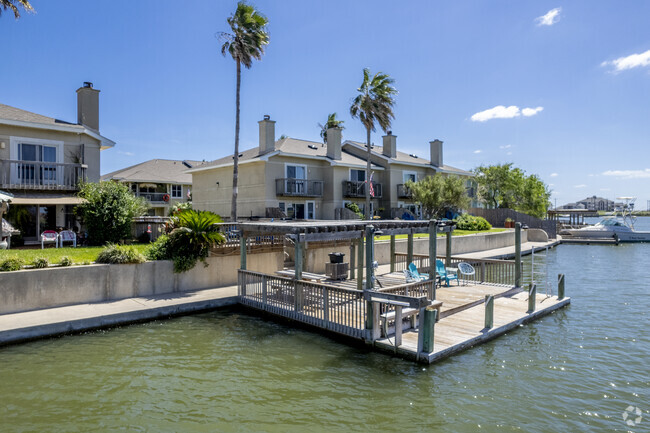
(36, 175)
(299, 188)
(154, 197)
(404, 192)
(354, 189)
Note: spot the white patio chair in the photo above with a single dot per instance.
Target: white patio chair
(466, 270)
(49, 237)
(68, 236)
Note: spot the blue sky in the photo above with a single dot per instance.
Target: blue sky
(168, 93)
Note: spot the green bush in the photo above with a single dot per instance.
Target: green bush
(11, 265)
(190, 242)
(355, 208)
(474, 223)
(40, 263)
(120, 254)
(65, 261)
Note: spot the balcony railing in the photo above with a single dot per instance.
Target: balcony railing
(404, 192)
(299, 187)
(358, 189)
(16, 174)
(154, 197)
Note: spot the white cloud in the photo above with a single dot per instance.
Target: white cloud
(582, 185)
(503, 112)
(125, 153)
(550, 18)
(531, 111)
(554, 174)
(478, 151)
(507, 146)
(629, 174)
(629, 62)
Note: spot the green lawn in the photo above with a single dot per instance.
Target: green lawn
(80, 255)
(454, 233)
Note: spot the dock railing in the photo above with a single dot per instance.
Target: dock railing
(487, 270)
(329, 307)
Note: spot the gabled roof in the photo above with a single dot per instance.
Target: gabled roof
(292, 147)
(155, 171)
(405, 158)
(15, 116)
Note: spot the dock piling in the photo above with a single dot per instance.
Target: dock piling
(360, 264)
(448, 250)
(409, 249)
(392, 253)
(560, 286)
(532, 295)
(242, 252)
(517, 254)
(489, 311)
(427, 328)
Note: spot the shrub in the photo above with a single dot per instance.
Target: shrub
(65, 261)
(108, 210)
(40, 263)
(11, 265)
(120, 254)
(469, 222)
(190, 242)
(355, 208)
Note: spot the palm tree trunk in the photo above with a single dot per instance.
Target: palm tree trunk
(368, 213)
(235, 168)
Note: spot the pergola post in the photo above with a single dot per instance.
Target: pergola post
(517, 254)
(360, 264)
(370, 256)
(448, 252)
(392, 253)
(409, 249)
(242, 251)
(353, 258)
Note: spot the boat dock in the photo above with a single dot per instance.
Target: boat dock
(425, 320)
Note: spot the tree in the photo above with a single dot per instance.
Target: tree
(438, 194)
(505, 186)
(332, 122)
(107, 211)
(245, 43)
(374, 103)
(13, 5)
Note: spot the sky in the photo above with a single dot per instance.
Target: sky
(560, 89)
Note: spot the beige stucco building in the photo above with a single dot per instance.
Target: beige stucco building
(42, 161)
(310, 180)
(162, 182)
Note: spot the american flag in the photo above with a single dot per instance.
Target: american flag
(372, 188)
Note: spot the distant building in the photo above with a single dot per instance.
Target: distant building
(163, 182)
(593, 203)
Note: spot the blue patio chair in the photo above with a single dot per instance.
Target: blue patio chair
(444, 275)
(414, 272)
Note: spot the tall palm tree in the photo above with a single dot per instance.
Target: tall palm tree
(13, 5)
(332, 122)
(246, 42)
(374, 103)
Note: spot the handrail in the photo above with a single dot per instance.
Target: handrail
(17, 174)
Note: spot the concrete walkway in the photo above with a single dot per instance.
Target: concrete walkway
(29, 325)
(509, 252)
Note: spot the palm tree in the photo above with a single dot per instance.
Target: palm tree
(245, 43)
(12, 4)
(332, 122)
(373, 103)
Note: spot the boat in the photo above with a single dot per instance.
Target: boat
(619, 227)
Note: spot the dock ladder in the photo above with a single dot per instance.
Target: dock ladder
(539, 271)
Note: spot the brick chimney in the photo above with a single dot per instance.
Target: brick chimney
(390, 145)
(436, 153)
(334, 143)
(267, 135)
(88, 106)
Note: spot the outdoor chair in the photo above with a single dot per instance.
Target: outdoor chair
(49, 237)
(444, 274)
(417, 275)
(68, 236)
(466, 271)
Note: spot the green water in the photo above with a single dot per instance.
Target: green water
(575, 370)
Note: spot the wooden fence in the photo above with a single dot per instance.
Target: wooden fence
(497, 218)
(486, 270)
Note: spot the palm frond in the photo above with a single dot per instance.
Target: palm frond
(13, 6)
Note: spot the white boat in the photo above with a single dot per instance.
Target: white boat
(620, 228)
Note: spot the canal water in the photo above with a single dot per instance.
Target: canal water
(578, 369)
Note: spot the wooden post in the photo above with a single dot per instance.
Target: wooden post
(392, 253)
(489, 311)
(370, 256)
(560, 287)
(517, 254)
(427, 328)
(298, 259)
(398, 326)
(298, 298)
(532, 295)
(360, 264)
(433, 252)
(264, 294)
(242, 251)
(482, 272)
(353, 258)
(326, 304)
(448, 252)
(376, 329)
(409, 249)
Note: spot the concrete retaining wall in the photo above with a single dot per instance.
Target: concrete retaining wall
(46, 288)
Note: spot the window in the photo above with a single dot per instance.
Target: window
(296, 172)
(311, 213)
(357, 175)
(281, 206)
(409, 175)
(177, 191)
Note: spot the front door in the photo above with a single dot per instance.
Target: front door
(299, 211)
